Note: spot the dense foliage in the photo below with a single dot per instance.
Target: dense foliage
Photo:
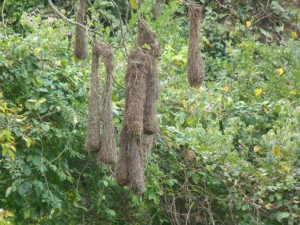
(227, 153)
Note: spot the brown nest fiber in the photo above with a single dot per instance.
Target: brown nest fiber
(147, 41)
(140, 123)
(130, 168)
(130, 162)
(93, 139)
(80, 50)
(122, 176)
(196, 70)
(135, 167)
(135, 93)
(151, 125)
(107, 152)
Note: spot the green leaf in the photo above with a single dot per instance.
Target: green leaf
(245, 207)
(266, 33)
(105, 183)
(24, 188)
(36, 82)
(36, 160)
(45, 127)
(27, 170)
(282, 215)
(8, 191)
(38, 186)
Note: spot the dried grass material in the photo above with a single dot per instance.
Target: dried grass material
(135, 93)
(130, 168)
(122, 176)
(142, 90)
(80, 49)
(93, 139)
(107, 152)
(196, 70)
(146, 38)
(151, 125)
(135, 167)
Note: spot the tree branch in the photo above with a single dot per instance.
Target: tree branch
(68, 20)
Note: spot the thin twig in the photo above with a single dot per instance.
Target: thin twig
(68, 20)
(262, 18)
(79, 24)
(90, 3)
(121, 27)
(120, 85)
(78, 180)
(188, 214)
(209, 211)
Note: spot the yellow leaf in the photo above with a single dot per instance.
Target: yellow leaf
(133, 4)
(256, 148)
(258, 91)
(63, 11)
(226, 89)
(269, 206)
(276, 151)
(280, 71)
(191, 122)
(2, 109)
(282, 28)
(285, 169)
(294, 34)
(295, 200)
(185, 103)
(170, 144)
(293, 92)
(248, 23)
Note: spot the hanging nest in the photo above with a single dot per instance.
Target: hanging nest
(147, 41)
(130, 162)
(135, 166)
(151, 125)
(80, 50)
(107, 152)
(140, 123)
(122, 176)
(196, 70)
(130, 168)
(135, 93)
(93, 139)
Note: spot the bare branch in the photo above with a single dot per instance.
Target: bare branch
(68, 20)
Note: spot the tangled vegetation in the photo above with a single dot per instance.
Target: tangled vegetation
(227, 152)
